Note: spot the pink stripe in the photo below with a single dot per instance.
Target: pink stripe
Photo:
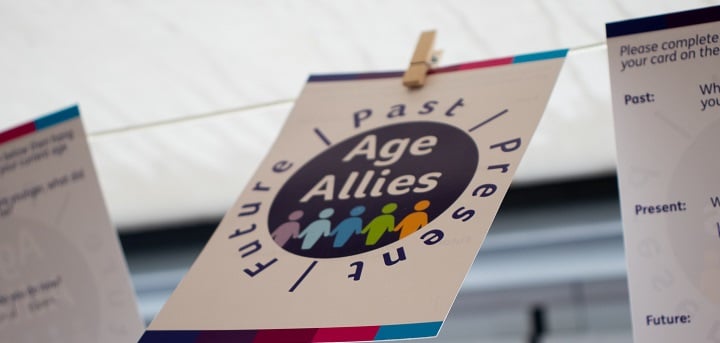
(360, 333)
(17, 132)
(474, 65)
(285, 336)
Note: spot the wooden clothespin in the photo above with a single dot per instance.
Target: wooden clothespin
(415, 75)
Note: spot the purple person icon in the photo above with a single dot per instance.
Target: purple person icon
(289, 229)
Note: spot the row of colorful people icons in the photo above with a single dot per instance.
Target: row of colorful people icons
(350, 226)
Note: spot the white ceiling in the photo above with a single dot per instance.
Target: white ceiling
(133, 63)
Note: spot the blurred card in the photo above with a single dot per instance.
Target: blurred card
(63, 277)
(665, 73)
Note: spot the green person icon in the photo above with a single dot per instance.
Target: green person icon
(377, 227)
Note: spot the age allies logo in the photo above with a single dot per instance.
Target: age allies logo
(372, 189)
(363, 195)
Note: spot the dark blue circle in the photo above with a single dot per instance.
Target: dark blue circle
(454, 156)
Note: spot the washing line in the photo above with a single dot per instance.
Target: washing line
(166, 122)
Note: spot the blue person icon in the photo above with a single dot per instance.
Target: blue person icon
(317, 229)
(348, 227)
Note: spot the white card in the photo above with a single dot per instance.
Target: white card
(62, 274)
(665, 73)
(366, 215)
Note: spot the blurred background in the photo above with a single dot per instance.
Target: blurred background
(181, 99)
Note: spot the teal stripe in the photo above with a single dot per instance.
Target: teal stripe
(539, 56)
(57, 117)
(402, 331)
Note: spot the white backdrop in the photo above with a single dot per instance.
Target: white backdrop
(131, 63)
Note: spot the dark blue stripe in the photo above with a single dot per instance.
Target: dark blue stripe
(662, 22)
(169, 337)
(701, 16)
(362, 76)
(57, 117)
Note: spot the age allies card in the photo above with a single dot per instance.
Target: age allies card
(62, 274)
(665, 73)
(366, 215)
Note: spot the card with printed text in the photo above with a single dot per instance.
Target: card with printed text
(62, 274)
(665, 73)
(366, 215)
